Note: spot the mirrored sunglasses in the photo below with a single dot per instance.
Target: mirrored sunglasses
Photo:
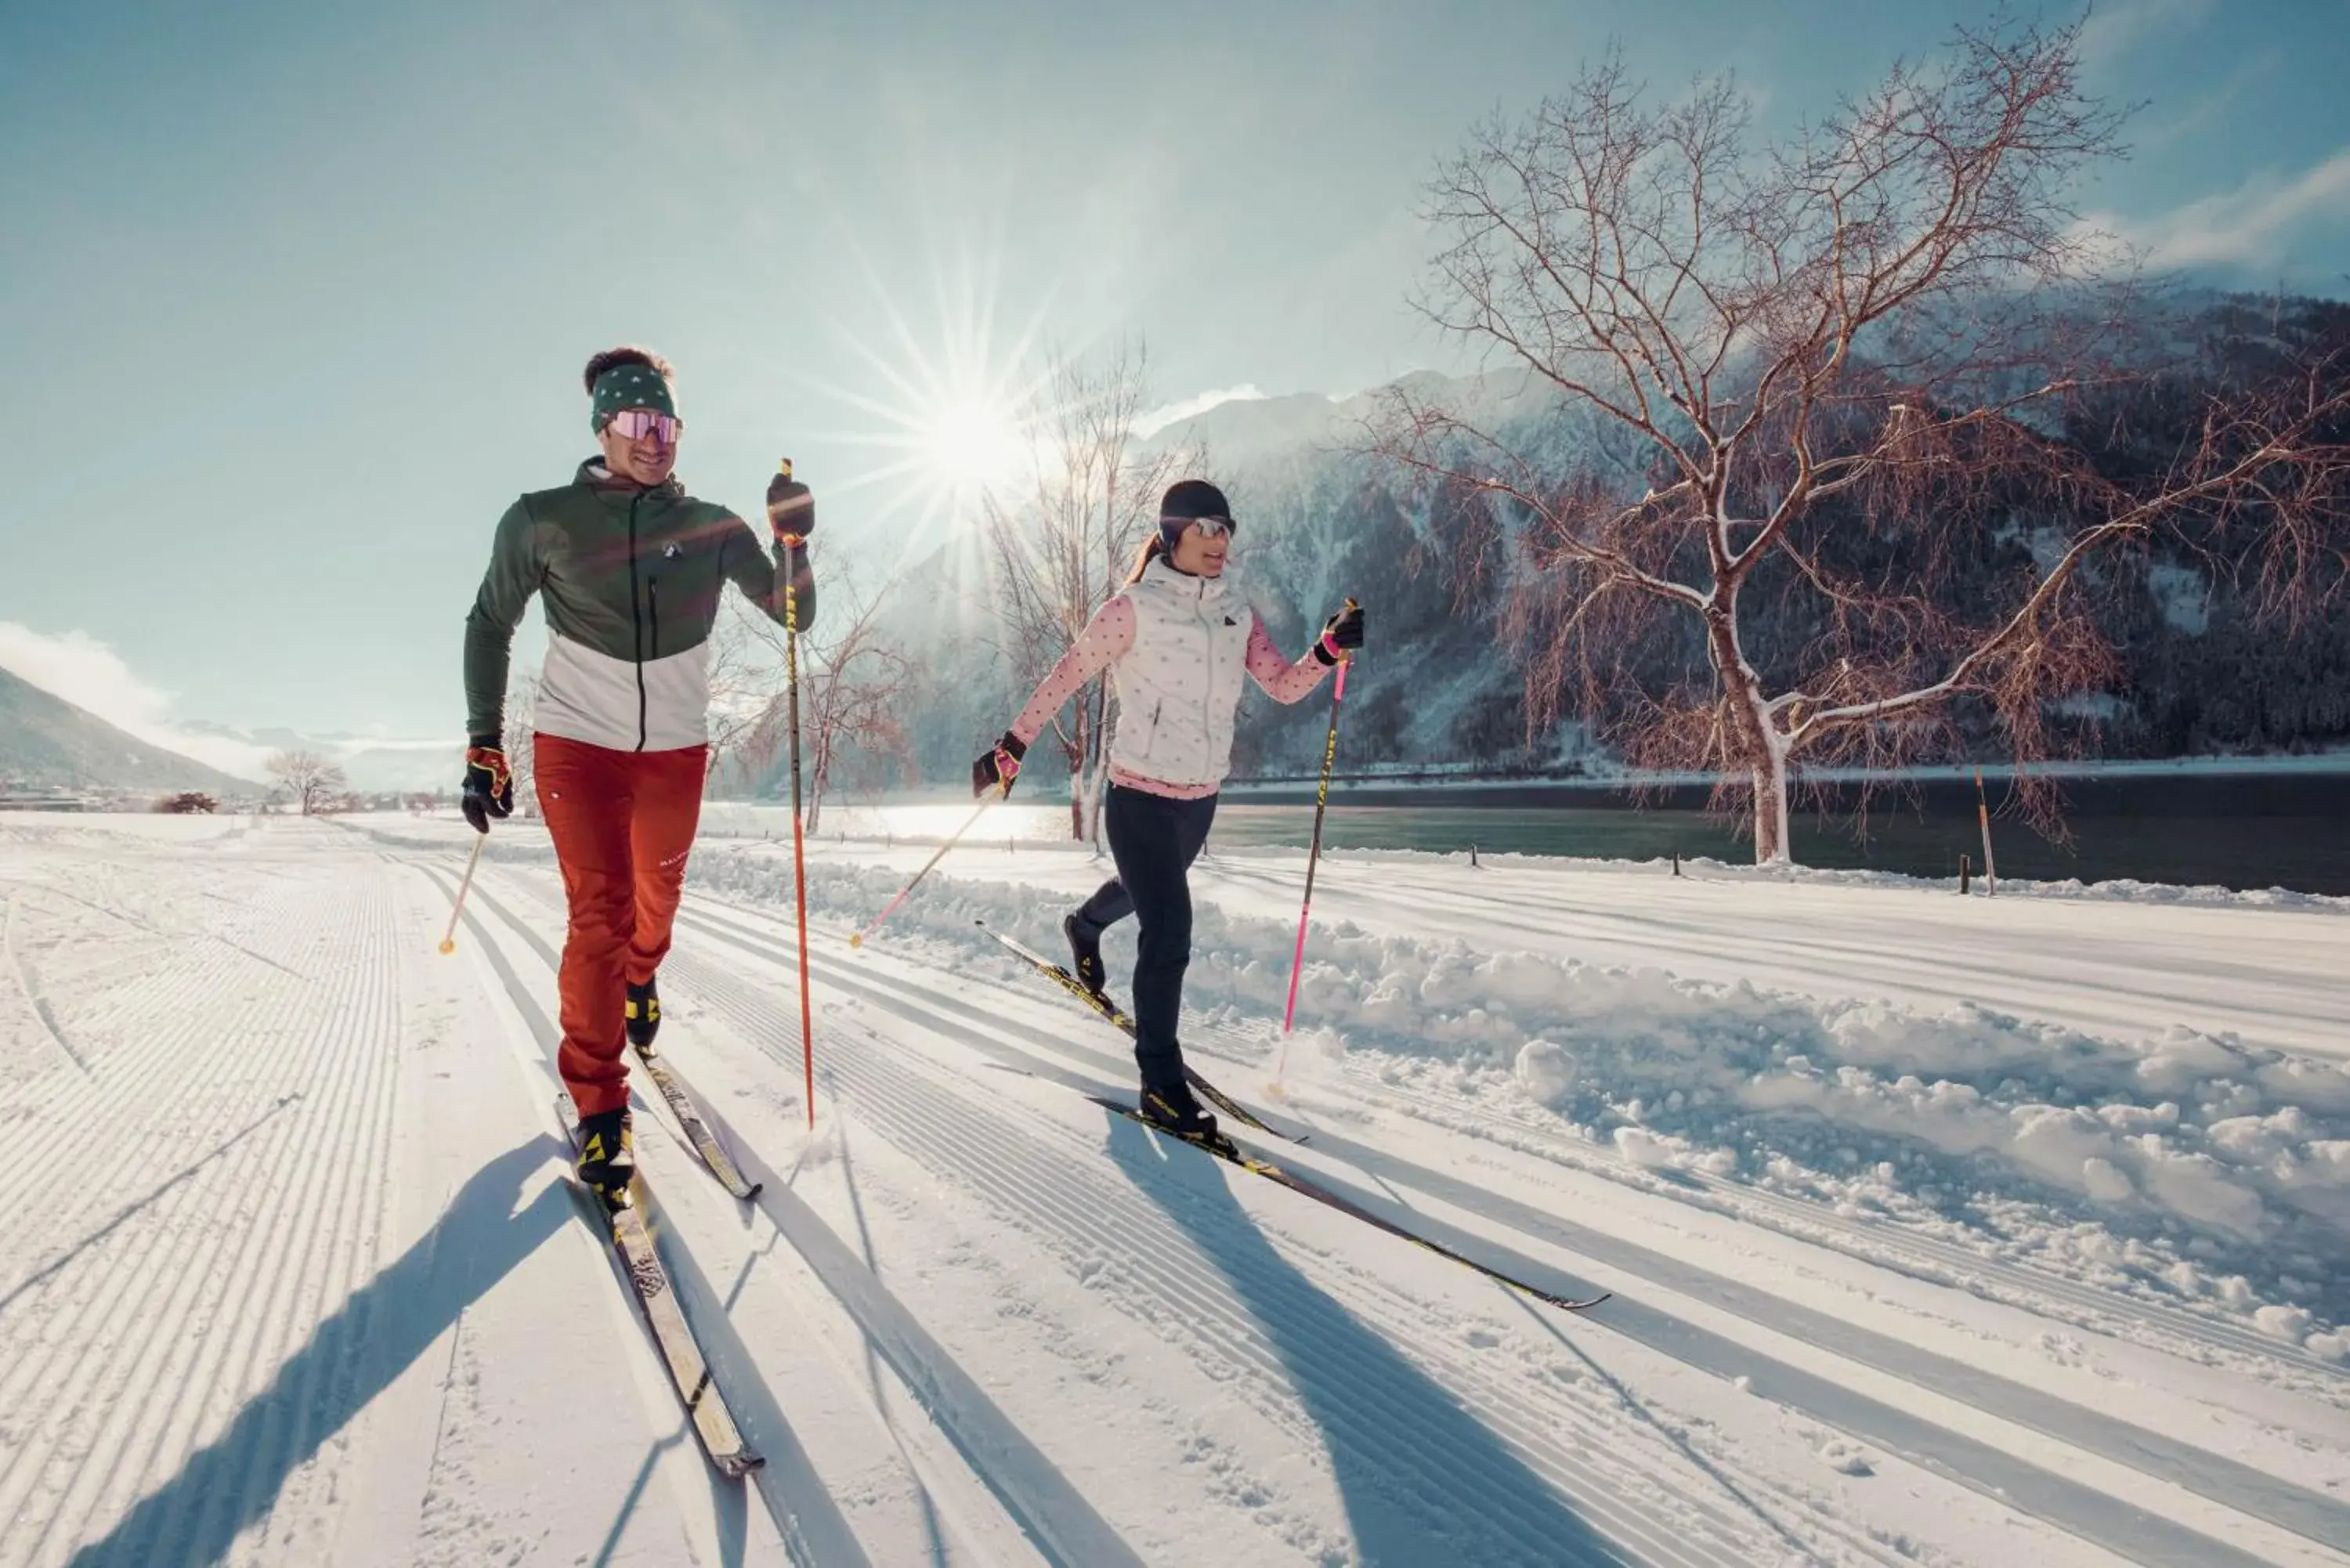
(635, 424)
(1212, 527)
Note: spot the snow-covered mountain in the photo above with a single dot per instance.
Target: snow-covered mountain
(47, 742)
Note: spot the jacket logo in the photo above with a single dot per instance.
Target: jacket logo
(1230, 621)
(673, 550)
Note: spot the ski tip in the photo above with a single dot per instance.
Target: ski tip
(739, 1464)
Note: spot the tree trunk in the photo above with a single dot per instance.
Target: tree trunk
(1755, 732)
(812, 803)
(1771, 845)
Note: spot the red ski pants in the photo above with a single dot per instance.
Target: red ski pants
(623, 823)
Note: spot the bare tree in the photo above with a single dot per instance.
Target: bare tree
(854, 683)
(521, 714)
(1840, 375)
(310, 779)
(1062, 546)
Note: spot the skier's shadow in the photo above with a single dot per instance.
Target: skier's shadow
(1424, 1482)
(349, 1360)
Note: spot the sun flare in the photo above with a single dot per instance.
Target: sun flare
(974, 440)
(950, 413)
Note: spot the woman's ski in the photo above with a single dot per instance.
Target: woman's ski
(1230, 1153)
(1109, 1009)
(640, 1264)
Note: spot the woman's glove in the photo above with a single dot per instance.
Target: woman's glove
(1341, 635)
(998, 766)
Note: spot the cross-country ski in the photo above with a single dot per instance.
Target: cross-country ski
(637, 1262)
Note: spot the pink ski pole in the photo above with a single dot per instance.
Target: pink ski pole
(1312, 858)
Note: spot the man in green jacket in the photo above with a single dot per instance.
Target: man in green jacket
(631, 569)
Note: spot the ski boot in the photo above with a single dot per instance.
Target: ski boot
(1085, 953)
(1170, 1109)
(644, 1015)
(608, 1155)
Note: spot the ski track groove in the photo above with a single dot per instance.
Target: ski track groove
(1515, 1416)
(203, 1324)
(103, 1094)
(369, 1077)
(947, 1012)
(168, 1240)
(1112, 1221)
(239, 1355)
(32, 992)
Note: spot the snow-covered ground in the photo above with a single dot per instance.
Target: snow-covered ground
(1941, 1230)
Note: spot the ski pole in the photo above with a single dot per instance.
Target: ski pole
(1312, 858)
(858, 939)
(449, 937)
(784, 489)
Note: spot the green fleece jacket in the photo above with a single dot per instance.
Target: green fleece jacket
(631, 579)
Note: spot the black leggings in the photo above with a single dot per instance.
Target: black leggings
(1153, 840)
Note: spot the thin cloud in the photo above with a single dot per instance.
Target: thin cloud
(2113, 30)
(2252, 225)
(90, 675)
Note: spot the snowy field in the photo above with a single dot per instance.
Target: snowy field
(1943, 1231)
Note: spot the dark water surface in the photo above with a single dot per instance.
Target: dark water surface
(2244, 830)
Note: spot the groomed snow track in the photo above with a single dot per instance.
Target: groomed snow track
(328, 1297)
(1260, 1327)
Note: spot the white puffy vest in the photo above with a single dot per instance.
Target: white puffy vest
(1179, 685)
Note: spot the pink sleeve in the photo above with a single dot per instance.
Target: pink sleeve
(1282, 681)
(1107, 637)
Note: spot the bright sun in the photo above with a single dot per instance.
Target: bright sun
(950, 413)
(974, 442)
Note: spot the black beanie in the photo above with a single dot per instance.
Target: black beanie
(1186, 499)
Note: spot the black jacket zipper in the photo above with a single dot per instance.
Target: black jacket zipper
(635, 622)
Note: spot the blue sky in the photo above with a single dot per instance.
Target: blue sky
(300, 292)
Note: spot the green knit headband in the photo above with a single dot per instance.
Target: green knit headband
(629, 387)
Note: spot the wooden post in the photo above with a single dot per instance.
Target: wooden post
(1964, 866)
(1677, 861)
(1472, 857)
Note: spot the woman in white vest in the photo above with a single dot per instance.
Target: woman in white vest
(1178, 640)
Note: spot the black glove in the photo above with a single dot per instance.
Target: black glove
(999, 764)
(1341, 635)
(791, 509)
(489, 783)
